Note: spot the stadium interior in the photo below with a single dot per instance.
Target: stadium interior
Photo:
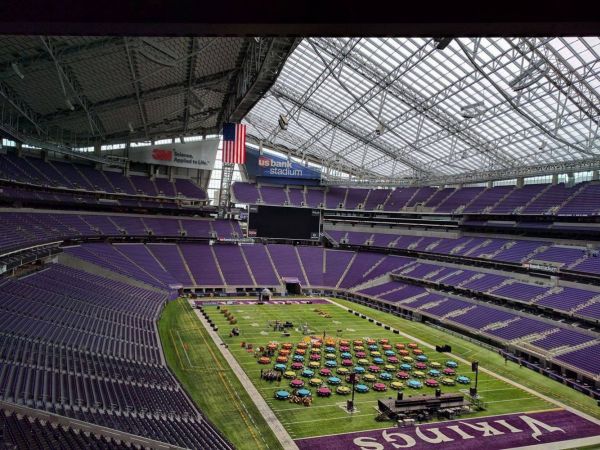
(403, 250)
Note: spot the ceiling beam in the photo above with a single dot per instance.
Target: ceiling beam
(329, 117)
(22, 108)
(204, 82)
(65, 74)
(408, 63)
(561, 74)
(191, 68)
(139, 133)
(264, 60)
(42, 59)
(409, 96)
(316, 84)
(134, 74)
(294, 141)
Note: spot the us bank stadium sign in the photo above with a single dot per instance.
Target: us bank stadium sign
(190, 155)
(541, 267)
(274, 167)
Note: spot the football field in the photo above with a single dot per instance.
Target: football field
(328, 415)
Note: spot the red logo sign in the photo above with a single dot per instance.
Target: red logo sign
(160, 154)
(263, 161)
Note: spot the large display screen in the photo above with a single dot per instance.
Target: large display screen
(281, 222)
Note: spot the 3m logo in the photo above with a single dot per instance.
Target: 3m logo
(160, 154)
(263, 161)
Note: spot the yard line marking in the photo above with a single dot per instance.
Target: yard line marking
(510, 400)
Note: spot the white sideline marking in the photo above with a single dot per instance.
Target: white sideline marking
(278, 429)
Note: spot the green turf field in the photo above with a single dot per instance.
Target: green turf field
(186, 344)
(328, 415)
(206, 376)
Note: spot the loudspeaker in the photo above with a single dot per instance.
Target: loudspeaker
(438, 392)
(400, 395)
(475, 366)
(472, 391)
(349, 405)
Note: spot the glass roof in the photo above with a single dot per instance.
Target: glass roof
(403, 108)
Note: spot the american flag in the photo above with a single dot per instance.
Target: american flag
(234, 143)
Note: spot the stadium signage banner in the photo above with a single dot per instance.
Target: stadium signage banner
(543, 267)
(270, 166)
(189, 155)
(491, 433)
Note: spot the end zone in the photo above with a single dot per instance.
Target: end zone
(549, 430)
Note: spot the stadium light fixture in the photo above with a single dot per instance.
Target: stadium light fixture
(17, 70)
(69, 104)
(442, 43)
(472, 110)
(283, 122)
(529, 77)
(130, 126)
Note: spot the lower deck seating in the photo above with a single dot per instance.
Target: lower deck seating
(85, 346)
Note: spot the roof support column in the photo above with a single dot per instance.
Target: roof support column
(554, 179)
(520, 182)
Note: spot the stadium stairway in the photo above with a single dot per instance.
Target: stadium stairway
(591, 301)
(525, 340)
(273, 265)
(504, 197)
(373, 267)
(217, 265)
(498, 325)
(578, 261)
(498, 286)
(431, 304)
(346, 270)
(77, 263)
(301, 265)
(571, 348)
(248, 268)
(458, 312)
(135, 264)
(461, 208)
(287, 196)
(185, 265)
(372, 283)
(533, 199)
(548, 293)
(413, 298)
(571, 197)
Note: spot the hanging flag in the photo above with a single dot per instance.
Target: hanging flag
(234, 143)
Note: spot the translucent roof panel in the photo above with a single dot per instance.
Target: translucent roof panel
(402, 108)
